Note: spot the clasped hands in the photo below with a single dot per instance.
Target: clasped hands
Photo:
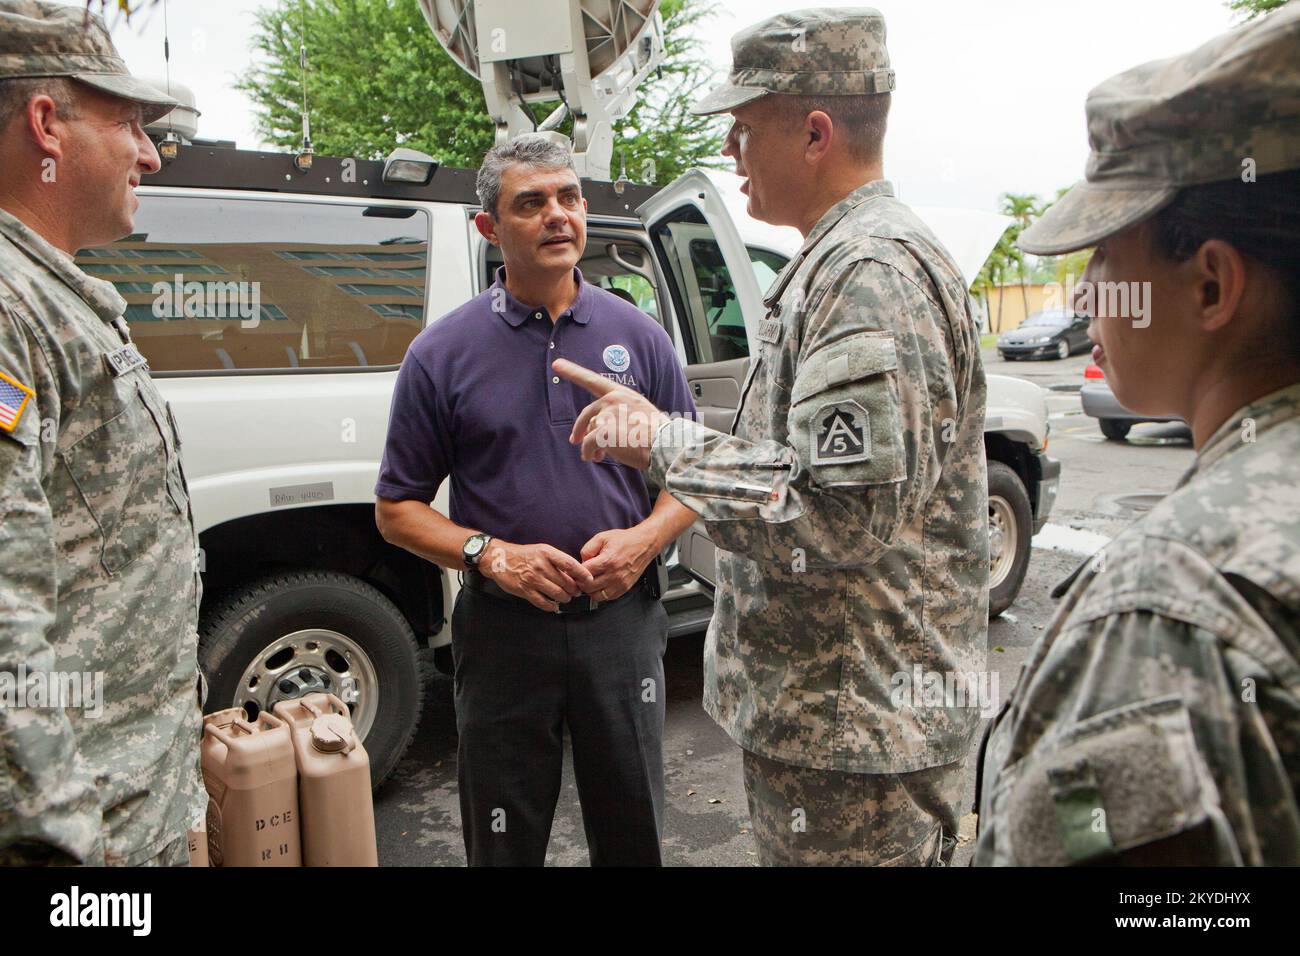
(612, 562)
(620, 423)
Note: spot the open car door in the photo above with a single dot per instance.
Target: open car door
(715, 294)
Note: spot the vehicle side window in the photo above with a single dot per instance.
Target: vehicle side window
(239, 284)
(767, 266)
(641, 292)
(702, 289)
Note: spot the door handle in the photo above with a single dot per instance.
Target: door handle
(697, 389)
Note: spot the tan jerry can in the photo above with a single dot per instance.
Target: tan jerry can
(252, 784)
(197, 839)
(337, 813)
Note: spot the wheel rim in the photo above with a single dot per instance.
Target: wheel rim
(1003, 540)
(311, 661)
(1063, 350)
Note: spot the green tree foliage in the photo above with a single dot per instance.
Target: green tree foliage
(1007, 263)
(377, 79)
(1254, 8)
(660, 138)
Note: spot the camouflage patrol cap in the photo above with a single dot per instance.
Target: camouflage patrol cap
(819, 52)
(40, 38)
(1184, 121)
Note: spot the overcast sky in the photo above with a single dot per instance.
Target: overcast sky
(989, 100)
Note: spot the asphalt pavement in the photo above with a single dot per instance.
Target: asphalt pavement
(1104, 486)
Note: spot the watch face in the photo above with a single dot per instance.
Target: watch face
(474, 545)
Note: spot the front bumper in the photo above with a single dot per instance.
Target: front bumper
(1049, 480)
(1098, 401)
(1028, 351)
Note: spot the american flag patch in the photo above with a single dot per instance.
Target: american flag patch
(14, 396)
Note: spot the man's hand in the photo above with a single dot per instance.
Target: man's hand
(620, 422)
(616, 560)
(544, 576)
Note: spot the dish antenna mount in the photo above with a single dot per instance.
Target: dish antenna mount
(589, 54)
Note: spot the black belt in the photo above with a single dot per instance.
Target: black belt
(582, 604)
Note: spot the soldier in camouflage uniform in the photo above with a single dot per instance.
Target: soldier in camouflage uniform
(849, 503)
(100, 572)
(1158, 718)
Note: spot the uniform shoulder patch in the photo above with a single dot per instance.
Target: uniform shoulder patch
(14, 396)
(840, 434)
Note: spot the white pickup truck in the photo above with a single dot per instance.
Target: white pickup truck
(275, 299)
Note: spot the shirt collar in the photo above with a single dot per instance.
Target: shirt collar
(871, 190)
(1264, 413)
(516, 312)
(99, 295)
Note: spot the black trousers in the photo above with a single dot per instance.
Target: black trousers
(522, 675)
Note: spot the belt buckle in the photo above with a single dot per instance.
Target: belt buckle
(591, 605)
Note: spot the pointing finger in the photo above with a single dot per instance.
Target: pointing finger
(593, 382)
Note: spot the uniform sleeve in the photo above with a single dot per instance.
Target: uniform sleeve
(859, 460)
(418, 449)
(49, 810)
(1146, 739)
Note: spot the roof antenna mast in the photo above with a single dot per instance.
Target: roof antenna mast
(303, 160)
(169, 145)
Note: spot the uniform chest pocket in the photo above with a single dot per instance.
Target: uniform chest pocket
(121, 471)
(845, 421)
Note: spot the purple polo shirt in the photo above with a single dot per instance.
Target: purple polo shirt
(476, 399)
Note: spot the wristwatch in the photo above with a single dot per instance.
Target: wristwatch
(473, 549)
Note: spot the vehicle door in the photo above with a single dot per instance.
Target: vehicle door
(713, 281)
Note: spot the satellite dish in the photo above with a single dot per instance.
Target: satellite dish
(590, 54)
(610, 28)
(184, 119)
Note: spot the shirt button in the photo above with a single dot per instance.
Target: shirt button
(537, 315)
(552, 345)
(556, 380)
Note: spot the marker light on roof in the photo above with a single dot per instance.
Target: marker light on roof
(409, 166)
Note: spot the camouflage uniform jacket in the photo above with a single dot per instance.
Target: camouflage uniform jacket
(849, 504)
(1158, 718)
(99, 575)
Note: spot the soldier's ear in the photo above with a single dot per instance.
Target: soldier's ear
(819, 131)
(45, 126)
(1219, 272)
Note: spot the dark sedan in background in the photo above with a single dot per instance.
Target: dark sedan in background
(1051, 333)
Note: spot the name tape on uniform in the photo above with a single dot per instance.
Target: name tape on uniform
(123, 360)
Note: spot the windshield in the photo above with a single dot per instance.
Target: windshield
(1056, 319)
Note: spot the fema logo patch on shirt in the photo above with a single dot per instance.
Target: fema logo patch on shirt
(617, 358)
(840, 434)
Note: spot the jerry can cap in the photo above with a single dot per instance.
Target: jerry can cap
(332, 734)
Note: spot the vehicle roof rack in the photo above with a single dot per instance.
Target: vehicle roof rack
(212, 166)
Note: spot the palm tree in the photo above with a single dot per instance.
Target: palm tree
(1024, 209)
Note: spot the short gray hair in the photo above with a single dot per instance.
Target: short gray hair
(16, 94)
(536, 151)
(860, 118)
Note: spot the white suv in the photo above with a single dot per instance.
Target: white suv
(274, 306)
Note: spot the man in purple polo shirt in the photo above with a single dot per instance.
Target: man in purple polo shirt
(559, 622)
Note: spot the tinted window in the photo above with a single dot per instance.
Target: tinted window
(1056, 319)
(767, 266)
(215, 283)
